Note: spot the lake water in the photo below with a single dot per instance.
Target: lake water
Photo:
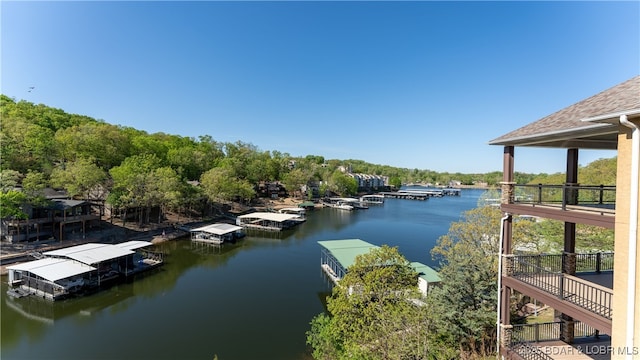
(249, 300)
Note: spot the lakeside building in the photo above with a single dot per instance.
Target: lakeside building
(338, 255)
(596, 298)
(55, 219)
(68, 271)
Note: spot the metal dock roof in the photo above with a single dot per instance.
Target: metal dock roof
(218, 228)
(53, 269)
(345, 251)
(269, 216)
(92, 253)
(133, 244)
(426, 272)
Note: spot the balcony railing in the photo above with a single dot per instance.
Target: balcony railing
(586, 295)
(592, 262)
(588, 197)
(522, 337)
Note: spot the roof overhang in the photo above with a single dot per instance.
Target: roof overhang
(602, 136)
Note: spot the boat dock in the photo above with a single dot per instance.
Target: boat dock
(217, 233)
(422, 194)
(76, 269)
(267, 221)
(345, 203)
(405, 195)
(375, 199)
(338, 255)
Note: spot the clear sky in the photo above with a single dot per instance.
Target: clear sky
(409, 84)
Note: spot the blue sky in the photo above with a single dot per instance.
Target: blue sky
(409, 84)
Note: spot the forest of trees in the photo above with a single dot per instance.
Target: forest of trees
(42, 146)
(45, 147)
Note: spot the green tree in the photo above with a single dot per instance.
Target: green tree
(11, 203)
(395, 182)
(33, 186)
(107, 144)
(375, 312)
(343, 184)
(294, 180)
(134, 184)
(9, 179)
(464, 305)
(220, 184)
(78, 177)
(25, 146)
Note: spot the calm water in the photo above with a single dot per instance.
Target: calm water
(250, 300)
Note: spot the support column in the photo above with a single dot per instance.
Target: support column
(507, 183)
(571, 198)
(507, 197)
(567, 326)
(569, 254)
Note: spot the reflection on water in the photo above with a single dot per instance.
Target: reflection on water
(211, 300)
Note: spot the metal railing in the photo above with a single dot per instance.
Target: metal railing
(596, 197)
(589, 262)
(595, 299)
(523, 337)
(535, 332)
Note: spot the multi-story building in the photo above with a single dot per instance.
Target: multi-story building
(596, 297)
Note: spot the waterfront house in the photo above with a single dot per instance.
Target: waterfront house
(58, 217)
(597, 298)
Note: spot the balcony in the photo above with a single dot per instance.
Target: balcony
(542, 341)
(585, 293)
(586, 204)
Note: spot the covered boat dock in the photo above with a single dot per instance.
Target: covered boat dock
(268, 221)
(376, 199)
(50, 278)
(66, 271)
(217, 233)
(338, 255)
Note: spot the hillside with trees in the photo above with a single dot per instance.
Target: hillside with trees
(128, 169)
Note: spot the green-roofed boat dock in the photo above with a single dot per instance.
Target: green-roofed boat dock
(338, 255)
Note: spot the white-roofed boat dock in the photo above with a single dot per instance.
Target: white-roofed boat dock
(422, 194)
(217, 233)
(268, 221)
(68, 271)
(376, 199)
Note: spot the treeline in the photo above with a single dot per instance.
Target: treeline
(43, 147)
